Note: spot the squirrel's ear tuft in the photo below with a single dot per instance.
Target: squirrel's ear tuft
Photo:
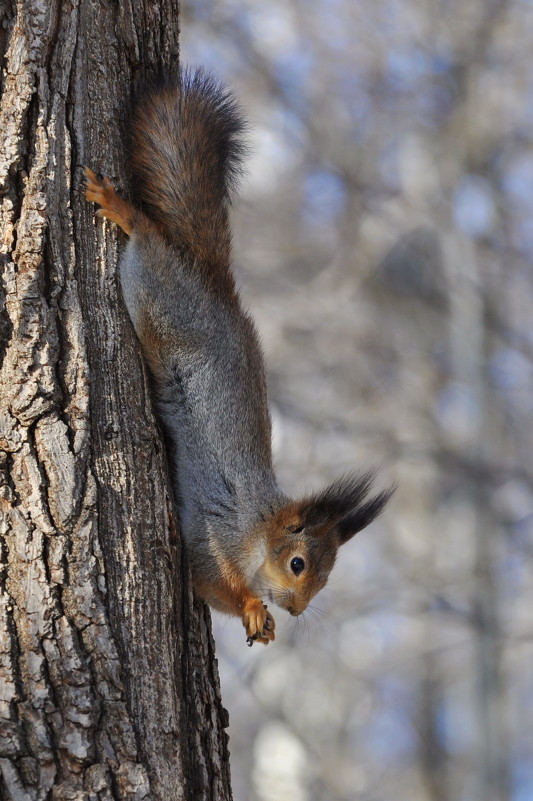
(363, 515)
(346, 504)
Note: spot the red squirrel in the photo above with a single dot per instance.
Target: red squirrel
(246, 540)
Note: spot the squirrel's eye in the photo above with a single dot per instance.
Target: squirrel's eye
(297, 565)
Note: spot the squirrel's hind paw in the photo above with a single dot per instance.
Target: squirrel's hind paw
(113, 207)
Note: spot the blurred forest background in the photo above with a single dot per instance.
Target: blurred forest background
(383, 238)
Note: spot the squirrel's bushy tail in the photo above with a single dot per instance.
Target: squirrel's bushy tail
(186, 155)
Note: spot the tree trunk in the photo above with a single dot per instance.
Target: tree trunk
(108, 681)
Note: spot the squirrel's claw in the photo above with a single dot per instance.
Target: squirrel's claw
(113, 207)
(258, 622)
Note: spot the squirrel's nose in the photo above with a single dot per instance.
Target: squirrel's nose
(293, 611)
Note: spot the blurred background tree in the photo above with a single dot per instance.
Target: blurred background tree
(383, 239)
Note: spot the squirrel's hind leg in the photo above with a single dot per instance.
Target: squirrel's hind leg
(113, 207)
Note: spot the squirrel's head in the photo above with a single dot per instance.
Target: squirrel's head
(303, 538)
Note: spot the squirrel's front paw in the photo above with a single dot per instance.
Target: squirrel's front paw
(258, 622)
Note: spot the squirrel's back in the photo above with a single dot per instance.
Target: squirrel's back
(186, 156)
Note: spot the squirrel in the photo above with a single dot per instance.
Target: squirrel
(246, 541)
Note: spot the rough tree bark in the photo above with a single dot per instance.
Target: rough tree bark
(108, 681)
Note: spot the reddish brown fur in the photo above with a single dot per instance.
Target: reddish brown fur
(113, 207)
(287, 537)
(204, 229)
(230, 594)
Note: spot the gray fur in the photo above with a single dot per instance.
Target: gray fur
(211, 401)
